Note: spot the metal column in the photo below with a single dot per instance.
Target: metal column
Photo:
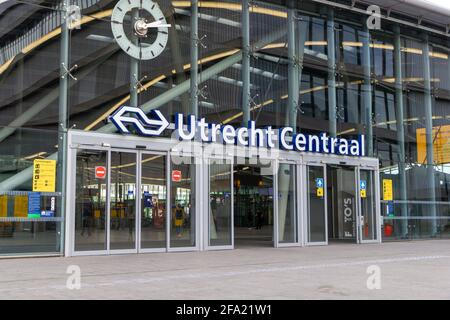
(63, 118)
(134, 66)
(194, 57)
(367, 90)
(331, 52)
(429, 132)
(245, 61)
(400, 128)
(194, 110)
(293, 73)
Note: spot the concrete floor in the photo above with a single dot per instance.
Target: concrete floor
(409, 270)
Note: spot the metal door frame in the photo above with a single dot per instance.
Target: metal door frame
(71, 202)
(152, 250)
(198, 199)
(136, 202)
(376, 195)
(298, 205)
(307, 203)
(207, 183)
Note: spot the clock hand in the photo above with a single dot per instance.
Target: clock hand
(157, 24)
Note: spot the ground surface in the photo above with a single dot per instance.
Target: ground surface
(408, 270)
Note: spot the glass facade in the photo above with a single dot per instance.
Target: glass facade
(309, 66)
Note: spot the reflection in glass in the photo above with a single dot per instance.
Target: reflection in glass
(90, 195)
(220, 225)
(153, 201)
(316, 205)
(182, 187)
(123, 201)
(287, 219)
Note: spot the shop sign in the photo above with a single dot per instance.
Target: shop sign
(250, 136)
(44, 175)
(349, 223)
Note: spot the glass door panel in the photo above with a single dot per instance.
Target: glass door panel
(153, 201)
(123, 200)
(368, 218)
(182, 201)
(90, 195)
(220, 204)
(346, 198)
(316, 213)
(287, 204)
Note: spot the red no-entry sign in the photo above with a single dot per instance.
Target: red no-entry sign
(100, 172)
(176, 175)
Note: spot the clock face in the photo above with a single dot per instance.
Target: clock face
(140, 37)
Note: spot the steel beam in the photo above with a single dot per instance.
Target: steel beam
(400, 128)
(63, 119)
(194, 57)
(331, 52)
(245, 62)
(367, 90)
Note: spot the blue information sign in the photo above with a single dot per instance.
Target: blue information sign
(319, 182)
(362, 184)
(34, 205)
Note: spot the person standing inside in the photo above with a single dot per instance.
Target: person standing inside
(178, 217)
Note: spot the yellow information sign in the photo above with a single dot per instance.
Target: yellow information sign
(44, 175)
(387, 190)
(363, 193)
(441, 145)
(320, 192)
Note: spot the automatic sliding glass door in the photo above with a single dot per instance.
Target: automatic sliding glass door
(287, 205)
(316, 216)
(367, 215)
(153, 202)
(90, 221)
(123, 196)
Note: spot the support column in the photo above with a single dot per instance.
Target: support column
(62, 120)
(245, 61)
(284, 174)
(194, 57)
(431, 185)
(331, 52)
(293, 73)
(134, 66)
(400, 129)
(367, 91)
(194, 110)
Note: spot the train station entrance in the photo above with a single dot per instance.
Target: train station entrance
(129, 194)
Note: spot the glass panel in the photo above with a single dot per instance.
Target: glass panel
(316, 205)
(182, 184)
(368, 210)
(123, 200)
(153, 201)
(90, 195)
(220, 225)
(346, 203)
(287, 211)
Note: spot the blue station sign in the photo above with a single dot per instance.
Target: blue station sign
(191, 128)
